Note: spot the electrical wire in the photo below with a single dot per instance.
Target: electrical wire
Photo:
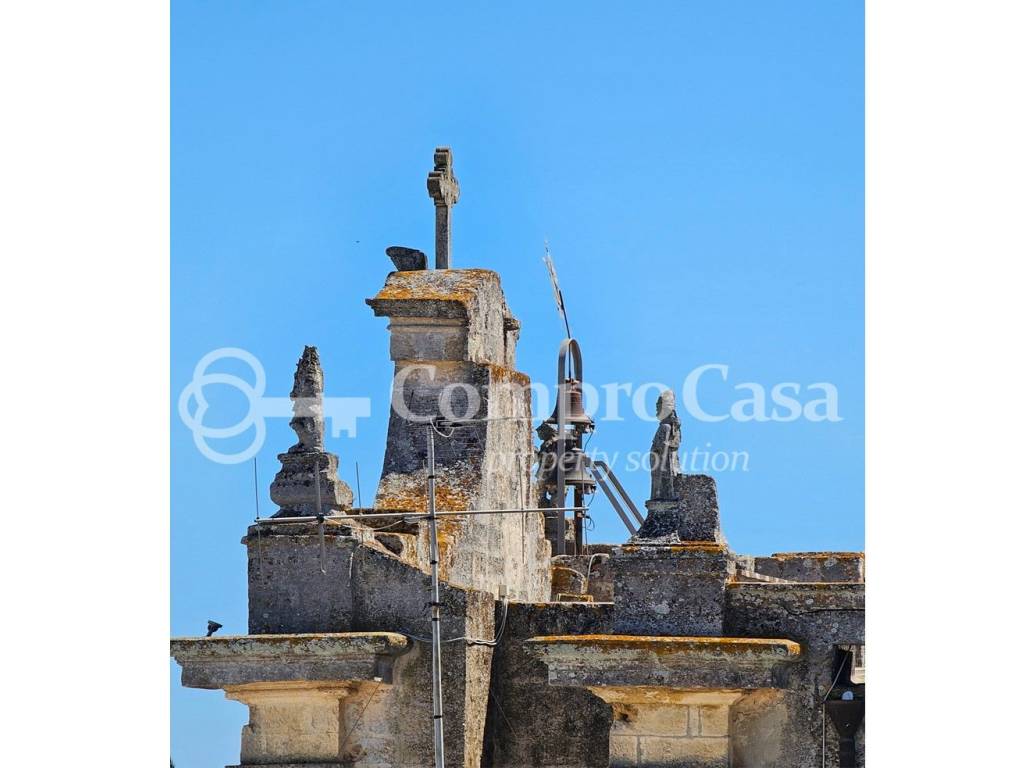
(838, 673)
(361, 713)
(473, 640)
(590, 564)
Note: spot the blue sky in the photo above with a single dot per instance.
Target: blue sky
(696, 167)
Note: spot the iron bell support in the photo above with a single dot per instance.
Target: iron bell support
(568, 346)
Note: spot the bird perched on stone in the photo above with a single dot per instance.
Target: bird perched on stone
(211, 627)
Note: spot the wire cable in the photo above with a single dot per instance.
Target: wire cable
(361, 713)
(836, 680)
(473, 640)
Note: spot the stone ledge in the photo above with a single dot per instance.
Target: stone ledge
(232, 660)
(628, 661)
(801, 596)
(448, 293)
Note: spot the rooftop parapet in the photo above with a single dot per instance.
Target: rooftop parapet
(233, 660)
(813, 566)
(629, 661)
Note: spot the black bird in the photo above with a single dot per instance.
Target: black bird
(211, 627)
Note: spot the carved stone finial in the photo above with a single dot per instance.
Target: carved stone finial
(308, 403)
(306, 463)
(443, 187)
(665, 450)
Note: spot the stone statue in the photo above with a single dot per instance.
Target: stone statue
(682, 507)
(665, 450)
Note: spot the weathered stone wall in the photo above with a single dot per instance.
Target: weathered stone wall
(686, 729)
(531, 723)
(287, 591)
(784, 731)
(670, 590)
(366, 588)
(451, 332)
(813, 566)
(388, 593)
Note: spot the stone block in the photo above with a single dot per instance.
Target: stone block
(813, 566)
(294, 487)
(471, 296)
(623, 750)
(419, 340)
(664, 719)
(670, 590)
(714, 721)
(406, 259)
(684, 752)
(692, 516)
(287, 591)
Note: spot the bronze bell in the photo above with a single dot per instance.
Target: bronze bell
(576, 473)
(576, 416)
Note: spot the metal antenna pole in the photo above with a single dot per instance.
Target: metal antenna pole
(435, 606)
(256, 486)
(259, 533)
(560, 446)
(559, 301)
(359, 490)
(320, 517)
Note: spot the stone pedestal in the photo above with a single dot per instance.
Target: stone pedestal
(305, 693)
(691, 516)
(294, 486)
(670, 589)
(670, 696)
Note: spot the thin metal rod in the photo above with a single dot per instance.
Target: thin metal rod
(560, 439)
(320, 517)
(577, 522)
(458, 422)
(415, 515)
(316, 482)
(618, 486)
(599, 476)
(435, 608)
(256, 486)
(259, 539)
(359, 490)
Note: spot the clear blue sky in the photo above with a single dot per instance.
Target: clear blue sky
(697, 168)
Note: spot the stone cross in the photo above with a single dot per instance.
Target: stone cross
(444, 188)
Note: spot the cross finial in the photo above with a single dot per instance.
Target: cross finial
(443, 187)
